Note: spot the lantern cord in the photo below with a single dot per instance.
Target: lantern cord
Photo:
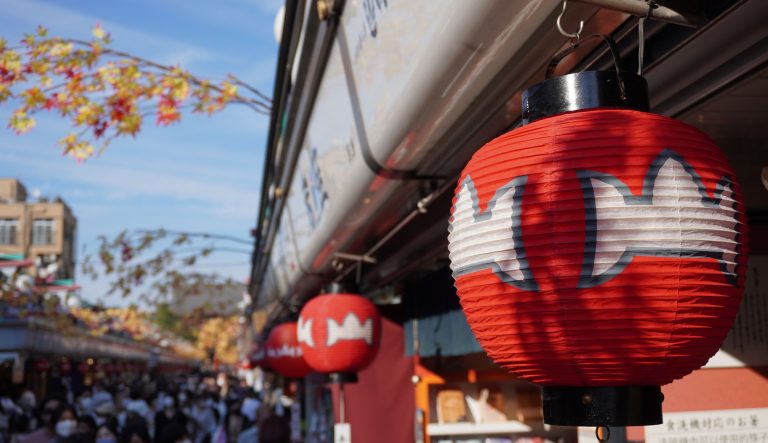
(641, 36)
(359, 273)
(603, 433)
(577, 35)
(342, 412)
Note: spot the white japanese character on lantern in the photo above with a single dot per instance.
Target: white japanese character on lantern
(673, 217)
(490, 239)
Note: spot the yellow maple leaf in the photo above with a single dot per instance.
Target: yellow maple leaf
(60, 49)
(230, 90)
(21, 122)
(98, 32)
(68, 142)
(81, 151)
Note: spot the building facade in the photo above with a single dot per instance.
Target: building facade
(44, 231)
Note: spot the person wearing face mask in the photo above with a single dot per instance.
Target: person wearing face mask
(204, 418)
(183, 402)
(106, 433)
(234, 422)
(45, 434)
(174, 433)
(86, 429)
(135, 429)
(27, 401)
(85, 402)
(167, 415)
(66, 424)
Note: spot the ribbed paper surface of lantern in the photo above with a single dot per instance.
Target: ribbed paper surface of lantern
(599, 248)
(339, 332)
(284, 354)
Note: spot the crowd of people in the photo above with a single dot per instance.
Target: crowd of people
(181, 409)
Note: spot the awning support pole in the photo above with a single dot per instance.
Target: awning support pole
(640, 8)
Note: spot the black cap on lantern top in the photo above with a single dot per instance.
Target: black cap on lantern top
(585, 90)
(337, 288)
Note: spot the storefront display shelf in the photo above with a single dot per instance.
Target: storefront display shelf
(505, 427)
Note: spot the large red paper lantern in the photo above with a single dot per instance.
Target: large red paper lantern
(599, 248)
(339, 333)
(284, 352)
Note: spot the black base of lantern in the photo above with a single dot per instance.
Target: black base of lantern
(602, 406)
(342, 377)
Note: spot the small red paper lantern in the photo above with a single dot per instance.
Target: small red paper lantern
(284, 354)
(42, 365)
(246, 364)
(65, 366)
(83, 367)
(339, 333)
(599, 248)
(258, 357)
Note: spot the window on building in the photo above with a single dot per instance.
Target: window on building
(42, 231)
(8, 229)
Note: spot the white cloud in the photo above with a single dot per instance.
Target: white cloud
(125, 181)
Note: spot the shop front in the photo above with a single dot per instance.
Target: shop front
(378, 108)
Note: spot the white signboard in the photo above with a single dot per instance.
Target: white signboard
(342, 433)
(723, 426)
(747, 341)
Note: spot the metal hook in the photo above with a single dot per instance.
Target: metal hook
(576, 35)
(603, 433)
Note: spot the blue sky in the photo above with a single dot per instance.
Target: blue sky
(201, 175)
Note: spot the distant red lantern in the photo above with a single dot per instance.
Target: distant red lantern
(258, 357)
(42, 365)
(339, 333)
(83, 367)
(65, 366)
(598, 248)
(246, 364)
(284, 354)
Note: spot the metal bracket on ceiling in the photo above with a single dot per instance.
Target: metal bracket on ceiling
(340, 257)
(639, 8)
(338, 265)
